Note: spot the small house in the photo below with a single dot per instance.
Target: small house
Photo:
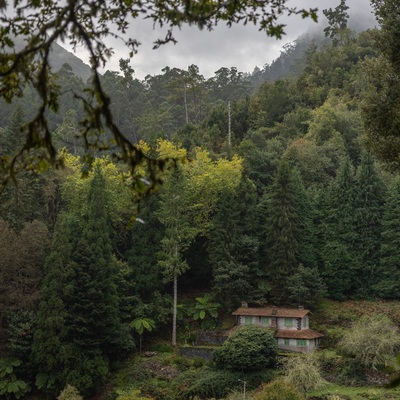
(291, 326)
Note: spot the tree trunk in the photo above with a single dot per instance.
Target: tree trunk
(174, 309)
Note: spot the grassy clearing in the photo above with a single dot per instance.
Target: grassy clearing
(355, 393)
(344, 313)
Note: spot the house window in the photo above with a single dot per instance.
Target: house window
(265, 321)
(248, 320)
(287, 342)
(304, 322)
(301, 343)
(288, 322)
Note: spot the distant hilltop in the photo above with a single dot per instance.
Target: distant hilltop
(60, 56)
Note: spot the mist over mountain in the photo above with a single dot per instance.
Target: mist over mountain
(59, 56)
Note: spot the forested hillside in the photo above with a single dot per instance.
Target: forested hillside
(269, 195)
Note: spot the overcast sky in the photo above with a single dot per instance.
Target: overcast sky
(243, 47)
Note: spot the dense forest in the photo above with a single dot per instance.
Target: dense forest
(271, 193)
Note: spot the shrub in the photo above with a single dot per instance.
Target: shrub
(250, 348)
(130, 394)
(163, 348)
(198, 362)
(213, 384)
(372, 341)
(70, 393)
(303, 372)
(278, 390)
(209, 383)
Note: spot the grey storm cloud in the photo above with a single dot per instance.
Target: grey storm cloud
(243, 47)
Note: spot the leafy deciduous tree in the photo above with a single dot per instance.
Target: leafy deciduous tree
(372, 341)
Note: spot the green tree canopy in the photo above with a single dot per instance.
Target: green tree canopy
(372, 341)
(250, 348)
(90, 23)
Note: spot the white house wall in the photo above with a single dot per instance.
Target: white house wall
(281, 322)
(292, 345)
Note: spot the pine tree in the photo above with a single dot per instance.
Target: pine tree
(50, 335)
(283, 232)
(79, 327)
(144, 271)
(91, 299)
(339, 255)
(13, 137)
(231, 280)
(368, 216)
(305, 210)
(388, 286)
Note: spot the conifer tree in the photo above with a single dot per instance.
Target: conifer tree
(388, 286)
(305, 210)
(50, 334)
(233, 247)
(13, 136)
(339, 255)
(91, 299)
(283, 232)
(368, 216)
(144, 271)
(79, 327)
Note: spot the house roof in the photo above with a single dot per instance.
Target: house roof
(298, 334)
(272, 312)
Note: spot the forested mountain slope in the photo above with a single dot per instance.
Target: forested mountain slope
(273, 199)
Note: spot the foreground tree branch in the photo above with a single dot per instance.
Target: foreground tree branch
(90, 23)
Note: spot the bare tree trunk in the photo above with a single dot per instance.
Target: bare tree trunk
(229, 124)
(186, 109)
(174, 309)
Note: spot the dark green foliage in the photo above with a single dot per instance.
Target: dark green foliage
(13, 135)
(305, 210)
(388, 285)
(11, 387)
(86, 369)
(50, 334)
(339, 255)
(79, 327)
(271, 103)
(231, 281)
(208, 383)
(380, 107)
(278, 390)
(306, 287)
(261, 157)
(20, 329)
(91, 300)
(288, 231)
(368, 219)
(250, 348)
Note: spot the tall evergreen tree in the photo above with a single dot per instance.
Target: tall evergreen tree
(79, 314)
(92, 303)
(369, 211)
(233, 248)
(339, 254)
(144, 271)
(13, 135)
(50, 334)
(305, 210)
(388, 286)
(284, 229)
